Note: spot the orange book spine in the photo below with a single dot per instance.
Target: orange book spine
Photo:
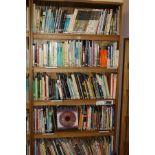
(103, 58)
(80, 119)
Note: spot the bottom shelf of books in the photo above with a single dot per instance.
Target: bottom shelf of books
(74, 146)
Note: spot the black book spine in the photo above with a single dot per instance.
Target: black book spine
(66, 86)
(63, 86)
(80, 84)
(38, 83)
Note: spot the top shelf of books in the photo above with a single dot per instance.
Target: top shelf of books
(61, 21)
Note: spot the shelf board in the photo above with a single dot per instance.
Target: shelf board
(68, 102)
(63, 36)
(74, 69)
(64, 134)
(115, 2)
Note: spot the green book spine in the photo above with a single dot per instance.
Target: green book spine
(104, 86)
(36, 88)
(41, 94)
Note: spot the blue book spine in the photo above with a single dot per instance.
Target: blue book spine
(61, 63)
(52, 22)
(111, 56)
(66, 25)
(49, 21)
(76, 53)
(46, 14)
(59, 54)
(27, 89)
(35, 147)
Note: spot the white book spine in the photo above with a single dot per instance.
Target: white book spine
(109, 21)
(107, 87)
(60, 89)
(33, 55)
(50, 54)
(72, 22)
(55, 54)
(115, 83)
(103, 20)
(101, 84)
(45, 54)
(75, 86)
(117, 58)
(111, 85)
(40, 54)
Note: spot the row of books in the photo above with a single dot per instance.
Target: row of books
(52, 19)
(75, 53)
(44, 120)
(74, 86)
(75, 146)
(50, 119)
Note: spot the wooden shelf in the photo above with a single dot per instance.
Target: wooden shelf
(73, 133)
(62, 36)
(74, 69)
(68, 102)
(114, 2)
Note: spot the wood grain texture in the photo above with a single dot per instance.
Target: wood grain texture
(90, 1)
(69, 102)
(74, 69)
(64, 134)
(62, 36)
(124, 131)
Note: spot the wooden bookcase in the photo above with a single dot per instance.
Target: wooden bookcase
(31, 70)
